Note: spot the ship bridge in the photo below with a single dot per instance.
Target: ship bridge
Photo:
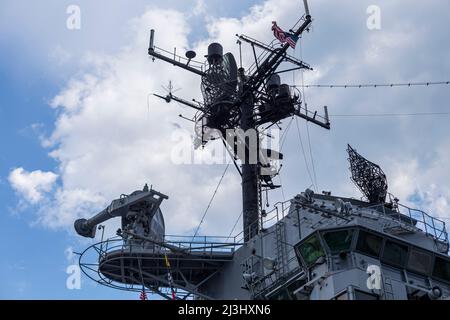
(330, 242)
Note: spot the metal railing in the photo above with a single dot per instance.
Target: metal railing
(102, 262)
(415, 218)
(280, 210)
(204, 244)
(173, 55)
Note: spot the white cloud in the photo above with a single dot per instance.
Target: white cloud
(59, 55)
(66, 205)
(426, 187)
(32, 185)
(106, 142)
(200, 7)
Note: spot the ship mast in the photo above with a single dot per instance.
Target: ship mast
(243, 102)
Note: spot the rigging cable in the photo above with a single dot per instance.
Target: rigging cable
(307, 125)
(143, 294)
(311, 156)
(210, 201)
(235, 224)
(303, 151)
(372, 85)
(285, 134)
(391, 114)
(281, 184)
(283, 140)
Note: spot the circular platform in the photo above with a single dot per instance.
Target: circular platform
(132, 266)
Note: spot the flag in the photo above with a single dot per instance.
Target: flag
(167, 261)
(292, 40)
(284, 37)
(169, 277)
(143, 295)
(278, 32)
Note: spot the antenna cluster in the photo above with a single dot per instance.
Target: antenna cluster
(236, 101)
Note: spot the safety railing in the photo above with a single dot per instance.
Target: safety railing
(416, 218)
(201, 66)
(268, 219)
(207, 245)
(204, 244)
(201, 245)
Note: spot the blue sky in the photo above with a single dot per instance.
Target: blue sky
(34, 262)
(72, 102)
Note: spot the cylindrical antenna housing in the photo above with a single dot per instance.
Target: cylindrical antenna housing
(327, 117)
(273, 83)
(215, 53)
(152, 40)
(284, 91)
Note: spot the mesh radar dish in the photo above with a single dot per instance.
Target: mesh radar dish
(368, 177)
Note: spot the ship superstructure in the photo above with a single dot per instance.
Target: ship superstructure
(312, 247)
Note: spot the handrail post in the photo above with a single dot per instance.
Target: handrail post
(434, 227)
(424, 222)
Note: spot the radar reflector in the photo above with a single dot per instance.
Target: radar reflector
(368, 177)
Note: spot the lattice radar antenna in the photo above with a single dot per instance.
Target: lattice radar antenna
(368, 177)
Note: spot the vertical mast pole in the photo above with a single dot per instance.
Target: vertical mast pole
(250, 193)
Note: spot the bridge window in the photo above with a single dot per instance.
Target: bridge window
(360, 295)
(395, 253)
(339, 241)
(357, 295)
(419, 261)
(369, 243)
(441, 269)
(282, 294)
(311, 250)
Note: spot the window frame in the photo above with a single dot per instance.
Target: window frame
(400, 243)
(352, 243)
(430, 253)
(433, 265)
(300, 256)
(384, 239)
(374, 233)
(367, 294)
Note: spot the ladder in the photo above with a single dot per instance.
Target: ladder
(280, 248)
(388, 290)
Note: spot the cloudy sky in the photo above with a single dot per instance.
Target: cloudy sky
(78, 127)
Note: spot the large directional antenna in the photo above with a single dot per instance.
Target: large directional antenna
(368, 177)
(238, 101)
